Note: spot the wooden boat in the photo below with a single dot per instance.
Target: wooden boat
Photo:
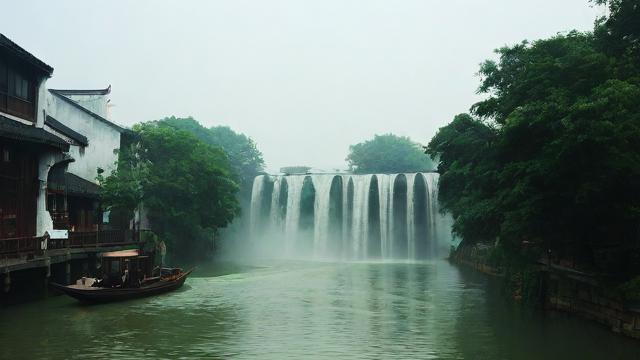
(91, 294)
(91, 290)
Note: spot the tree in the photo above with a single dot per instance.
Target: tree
(245, 158)
(184, 184)
(466, 153)
(388, 154)
(552, 158)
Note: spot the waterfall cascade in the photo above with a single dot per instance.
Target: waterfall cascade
(384, 216)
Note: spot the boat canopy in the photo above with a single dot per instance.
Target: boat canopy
(121, 254)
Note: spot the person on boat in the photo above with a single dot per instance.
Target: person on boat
(125, 277)
(141, 277)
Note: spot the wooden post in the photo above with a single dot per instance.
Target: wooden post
(7, 282)
(68, 272)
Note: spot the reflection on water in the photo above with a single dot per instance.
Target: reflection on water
(298, 310)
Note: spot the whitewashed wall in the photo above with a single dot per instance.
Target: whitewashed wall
(95, 103)
(104, 139)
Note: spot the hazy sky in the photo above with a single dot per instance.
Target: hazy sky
(304, 79)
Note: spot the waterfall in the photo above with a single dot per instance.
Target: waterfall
(411, 229)
(391, 221)
(385, 195)
(360, 222)
(346, 230)
(431, 183)
(322, 185)
(292, 218)
(275, 215)
(359, 230)
(255, 215)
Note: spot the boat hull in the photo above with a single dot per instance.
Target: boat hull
(104, 295)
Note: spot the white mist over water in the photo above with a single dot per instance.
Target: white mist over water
(354, 217)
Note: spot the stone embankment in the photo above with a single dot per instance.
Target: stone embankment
(561, 288)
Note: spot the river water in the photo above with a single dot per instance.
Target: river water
(315, 310)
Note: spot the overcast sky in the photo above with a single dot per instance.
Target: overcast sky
(304, 79)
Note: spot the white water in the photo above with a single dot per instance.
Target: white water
(411, 226)
(292, 218)
(433, 210)
(359, 236)
(345, 218)
(385, 195)
(360, 222)
(256, 204)
(322, 185)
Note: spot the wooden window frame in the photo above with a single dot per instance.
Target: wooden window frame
(20, 103)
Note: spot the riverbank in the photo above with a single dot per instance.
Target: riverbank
(558, 288)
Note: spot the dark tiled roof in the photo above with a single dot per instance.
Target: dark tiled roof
(15, 130)
(62, 128)
(72, 184)
(80, 187)
(84, 92)
(23, 54)
(80, 107)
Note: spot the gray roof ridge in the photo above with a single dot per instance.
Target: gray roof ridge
(105, 91)
(106, 121)
(27, 56)
(67, 131)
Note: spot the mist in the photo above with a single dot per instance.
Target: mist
(304, 79)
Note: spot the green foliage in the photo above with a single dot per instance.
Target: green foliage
(184, 184)
(245, 158)
(552, 158)
(388, 154)
(465, 149)
(122, 189)
(620, 32)
(630, 290)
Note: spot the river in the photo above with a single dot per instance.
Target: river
(315, 310)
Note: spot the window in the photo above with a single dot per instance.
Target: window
(18, 85)
(21, 88)
(17, 92)
(3, 76)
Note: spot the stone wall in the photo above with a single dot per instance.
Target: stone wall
(565, 289)
(589, 300)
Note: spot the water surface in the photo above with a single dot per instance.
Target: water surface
(294, 310)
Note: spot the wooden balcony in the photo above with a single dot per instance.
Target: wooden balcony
(31, 246)
(21, 246)
(92, 239)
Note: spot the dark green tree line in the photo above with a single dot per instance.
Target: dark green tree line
(388, 154)
(551, 158)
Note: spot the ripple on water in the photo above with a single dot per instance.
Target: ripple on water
(293, 310)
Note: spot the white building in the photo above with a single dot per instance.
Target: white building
(52, 143)
(81, 118)
(85, 111)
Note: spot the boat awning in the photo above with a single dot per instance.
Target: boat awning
(121, 254)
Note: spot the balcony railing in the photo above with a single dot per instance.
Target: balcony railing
(80, 239)
(20, 246)
(29, 246)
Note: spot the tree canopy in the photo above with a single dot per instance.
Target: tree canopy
(245, 158)
(552, 156)
(184, 184)
(388, 154)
